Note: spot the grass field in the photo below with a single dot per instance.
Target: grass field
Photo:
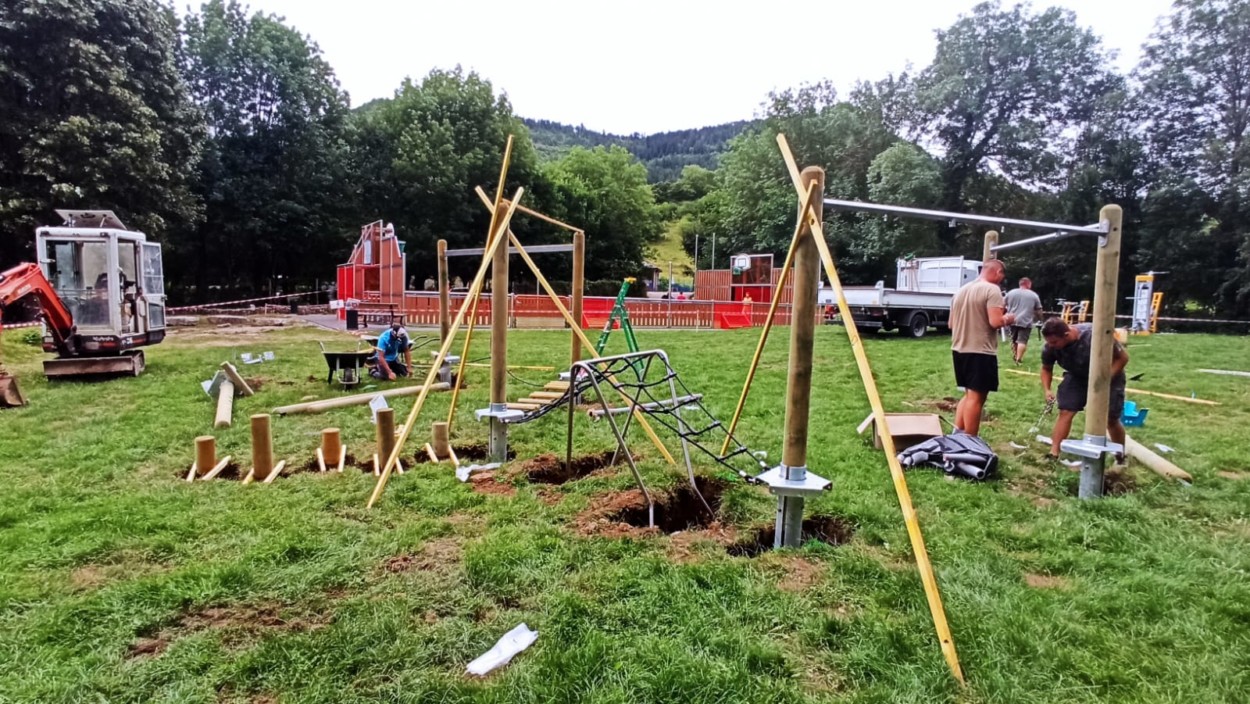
(122, 583)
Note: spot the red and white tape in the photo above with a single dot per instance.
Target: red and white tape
(226, 304)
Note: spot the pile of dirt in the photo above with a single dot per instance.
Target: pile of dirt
(550, 469)
(627, 513)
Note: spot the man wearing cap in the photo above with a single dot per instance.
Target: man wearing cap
(391, 344)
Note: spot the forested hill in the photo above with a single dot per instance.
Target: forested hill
(664, 153)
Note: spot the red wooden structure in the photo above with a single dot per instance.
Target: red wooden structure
(374, 273)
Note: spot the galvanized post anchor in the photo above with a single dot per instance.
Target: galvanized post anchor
(791, 486)
(499, 415)
(1093, 451)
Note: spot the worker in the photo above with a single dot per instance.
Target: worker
(1071, 346)
(457, 284)
(430, 284)
(391, 344)
(977, 311)
(1023, 303)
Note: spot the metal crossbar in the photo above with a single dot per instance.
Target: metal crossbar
(970, 218)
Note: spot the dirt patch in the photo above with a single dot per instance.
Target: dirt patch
(1235, 476)
(831, 530)
(550, 469)
(549, 496)
(232, 472)
(243, 623)
(685, 546)
(1046, 581)
(626, 514)
(800, 574)
(1116, 481)
(486, 483)
(946, 403)
(96, 575)
(477, 451)
(436, 555)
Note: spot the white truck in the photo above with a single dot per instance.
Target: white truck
(926, 286)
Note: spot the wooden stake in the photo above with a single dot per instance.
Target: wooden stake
(342, 458)
(262, 446)
(205, 453)
(331, 445)
(927, 578)
(429, 450)
(321, 461)
(444, 293)
(385, 432)
(275, 472)
(239, 384)
(221, 464)
(579, 284)
(225, 405)
(442, 439)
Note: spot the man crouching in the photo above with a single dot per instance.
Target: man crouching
(1071, 346)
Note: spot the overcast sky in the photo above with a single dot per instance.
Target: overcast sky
(649, 65)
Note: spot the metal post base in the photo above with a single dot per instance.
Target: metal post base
(791, 485)
(1093, 451)
(789, 532)
(499, 414)
(447, 369)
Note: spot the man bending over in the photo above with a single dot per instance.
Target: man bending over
(1071, 346)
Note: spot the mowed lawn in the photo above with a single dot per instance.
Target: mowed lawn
(122, 583)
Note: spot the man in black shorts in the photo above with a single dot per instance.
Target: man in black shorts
(1071, 347)
(977, 311)
(1027, 308)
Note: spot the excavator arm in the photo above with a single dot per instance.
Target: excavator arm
(28, 280)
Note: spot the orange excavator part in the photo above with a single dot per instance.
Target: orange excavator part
(27, 280)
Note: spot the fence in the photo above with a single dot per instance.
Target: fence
(421, 309)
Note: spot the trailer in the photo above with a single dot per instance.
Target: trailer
(922, 299)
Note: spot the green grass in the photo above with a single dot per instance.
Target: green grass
(1142, 597)
(670, 249)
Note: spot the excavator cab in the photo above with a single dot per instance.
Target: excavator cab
(110, 281)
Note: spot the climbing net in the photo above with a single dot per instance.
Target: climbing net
(650, 385)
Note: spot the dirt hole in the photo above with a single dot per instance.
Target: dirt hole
(476, 451)
(679, 508)
(232, 472)
(246, 621)
(831, 530)
(1115, 482)
(550, 469)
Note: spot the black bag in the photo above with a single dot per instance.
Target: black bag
(960, 454)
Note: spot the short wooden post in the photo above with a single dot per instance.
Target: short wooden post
(444, 293)
(799, 377)
(262, 447)
(225, 405)
(385, 434)
(442, 440)
(987, 249)
(331, 451)
(1097, 400)
(205, 456)
(579, 284)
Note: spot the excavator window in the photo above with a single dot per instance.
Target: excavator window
(79, 273)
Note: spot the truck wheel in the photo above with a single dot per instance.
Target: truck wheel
(917, 325)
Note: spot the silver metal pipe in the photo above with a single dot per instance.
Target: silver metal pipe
(865, 207)
(1033, 240)
(532, 249)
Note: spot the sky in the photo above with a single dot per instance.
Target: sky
(651, 66)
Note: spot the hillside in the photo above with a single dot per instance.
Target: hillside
(664, 153)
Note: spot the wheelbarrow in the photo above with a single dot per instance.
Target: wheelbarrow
(346, 365)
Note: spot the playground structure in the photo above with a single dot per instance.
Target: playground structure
(373, 277)
(1146, 304)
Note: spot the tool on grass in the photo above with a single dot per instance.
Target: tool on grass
(1046, 410)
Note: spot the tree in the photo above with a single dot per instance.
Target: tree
(95, 117)
(1196, 86)
(274, 177)
(1004, 91)
(605, 191)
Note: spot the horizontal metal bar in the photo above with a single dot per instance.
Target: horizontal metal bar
(864, 207)
(1031, 240)
(532, 249)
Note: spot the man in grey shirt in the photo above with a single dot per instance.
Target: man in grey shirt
(1027, 307)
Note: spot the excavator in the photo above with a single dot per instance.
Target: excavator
(101, 290)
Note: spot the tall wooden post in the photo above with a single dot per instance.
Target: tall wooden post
(444, 292)
(262, 447)
(987, 249)
(799, 376)
(579, 283)
(1097, 402)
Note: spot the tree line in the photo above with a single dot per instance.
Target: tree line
(226, 136)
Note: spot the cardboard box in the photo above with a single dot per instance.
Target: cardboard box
(907, 429)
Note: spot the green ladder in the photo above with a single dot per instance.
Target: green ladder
(618, 313)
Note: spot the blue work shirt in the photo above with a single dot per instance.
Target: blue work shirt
(390, 344)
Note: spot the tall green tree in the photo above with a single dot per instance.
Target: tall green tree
(605, 191)
(1004, 92)
(1196, 89)
(275, 177)
(94, 116)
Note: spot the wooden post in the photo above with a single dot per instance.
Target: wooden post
(331, 450)
(205, 454)
(579, 283)
(262, 447)
(499, 300)
(1097, 400)
(239, 384)
(987, 249)
(444, 293)
(386, 432)
(799, 375)
(442, 440)
(225, 405)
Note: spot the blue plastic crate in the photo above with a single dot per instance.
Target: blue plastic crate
(1133, 417)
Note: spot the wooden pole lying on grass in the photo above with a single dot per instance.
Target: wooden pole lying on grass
(923, 565)
(1147, 457)
(1156, 394)
(357, 399)
(240, 385)
(225, 405)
